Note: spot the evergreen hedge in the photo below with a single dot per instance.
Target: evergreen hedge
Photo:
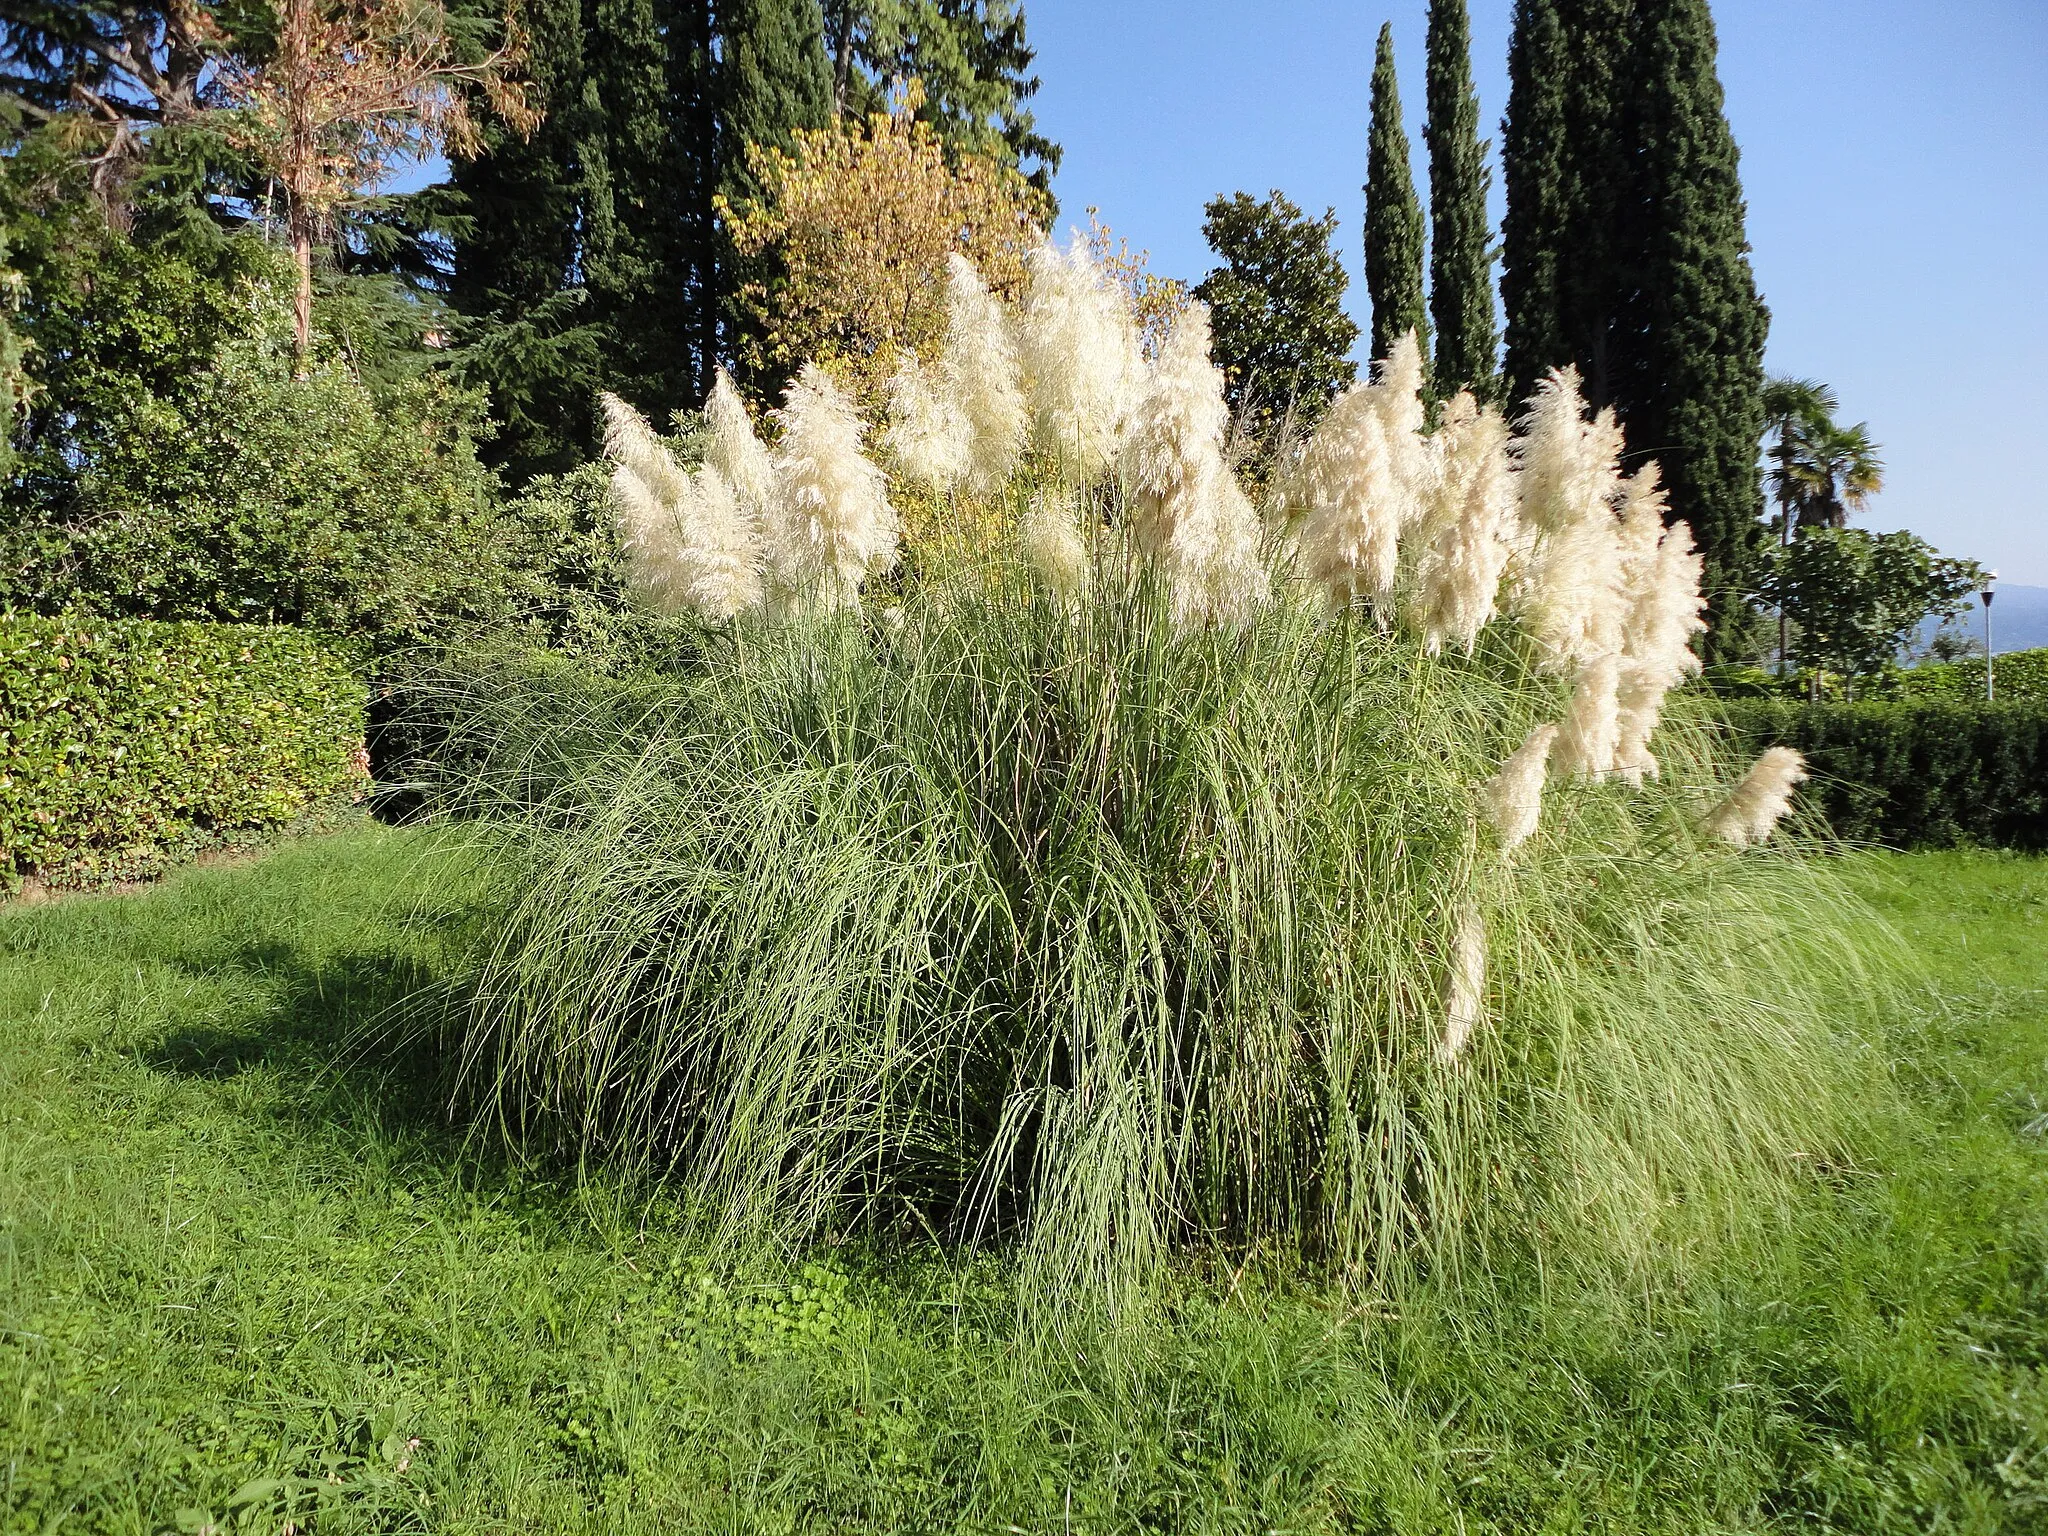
(2022, 675)
(1916, 773)
(123, 742)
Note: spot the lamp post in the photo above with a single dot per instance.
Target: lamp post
(1990, 681)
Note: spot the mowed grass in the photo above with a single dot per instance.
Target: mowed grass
(251, 1279)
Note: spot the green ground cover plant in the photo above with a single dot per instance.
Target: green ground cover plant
(249, 1275)
(124, 742)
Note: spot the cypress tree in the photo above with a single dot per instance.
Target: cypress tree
(1461, 234)
(1691, 327)
(1625, 254)
(633, 260)
(1393, 217)
(1534, 169)
(775, 79)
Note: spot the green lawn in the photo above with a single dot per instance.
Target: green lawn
(250, 1279)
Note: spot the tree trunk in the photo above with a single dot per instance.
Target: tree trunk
(302, 300)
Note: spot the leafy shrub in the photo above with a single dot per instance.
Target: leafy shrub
(1923, 773)
(123, 741)
(2021, 676)
(178, 461)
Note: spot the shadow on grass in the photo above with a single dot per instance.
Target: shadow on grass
(360, 1044)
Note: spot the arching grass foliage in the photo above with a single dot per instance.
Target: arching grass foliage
(1062, 925)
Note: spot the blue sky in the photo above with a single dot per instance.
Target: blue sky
(1895, 156)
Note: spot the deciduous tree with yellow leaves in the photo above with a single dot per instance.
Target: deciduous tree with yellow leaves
(849, 239)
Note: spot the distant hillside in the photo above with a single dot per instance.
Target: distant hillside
(2019, 619)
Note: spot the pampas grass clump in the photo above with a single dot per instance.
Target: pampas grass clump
(1109, 897)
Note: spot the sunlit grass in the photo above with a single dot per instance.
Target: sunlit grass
(242, 1259)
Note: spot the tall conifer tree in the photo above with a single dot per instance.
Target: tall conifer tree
(1691, 325)
(1461, 234)
(522, 202)
(1393, 217)
(1625, 254)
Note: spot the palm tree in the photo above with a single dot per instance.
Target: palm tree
(1820, 472)
(1795, 411)
(1845, 471)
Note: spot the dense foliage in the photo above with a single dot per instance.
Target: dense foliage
(848, 240)
(1625, 253)
(1919, 773)
(1393, 216)
(179, 459)
(1460, 227)
(596, 257)
(2021, 676)
(123, 742)
(1855, 597)
(1276, 308)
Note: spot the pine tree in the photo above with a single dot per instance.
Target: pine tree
(970, 55)
(521, 202)
(1461, 234)
(1393, 217)
(1691, 323)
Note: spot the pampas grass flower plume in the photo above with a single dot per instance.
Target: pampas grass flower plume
(1467, 530)
(690, 546)
(1514, 795)
(1083, 370)
(1188, 515)
(1465, 990)
(834, 518)
(1759, 800)
(1665, 610)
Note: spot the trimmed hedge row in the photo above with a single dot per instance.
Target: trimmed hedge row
(122, 742)
(2021, 676)
(1916, 773)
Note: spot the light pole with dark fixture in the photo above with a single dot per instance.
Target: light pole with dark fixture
(1990, 683)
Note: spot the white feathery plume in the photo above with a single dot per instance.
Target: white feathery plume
(1571, 592)
(1465, 992)
(1591, 729)
(1664, 613)
(631, 443)
(1188, 514)
(1349, 502)
(721, 551)
(928, 433)
(689, 545)
(736, 453)
(980, 369)
(1397, 396)
(1514, 795)
(652, 541)
(1755, 806)
(1083, 370)
(1558, 477)
(1051, 541)
(1468, 527)
(835, 521)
